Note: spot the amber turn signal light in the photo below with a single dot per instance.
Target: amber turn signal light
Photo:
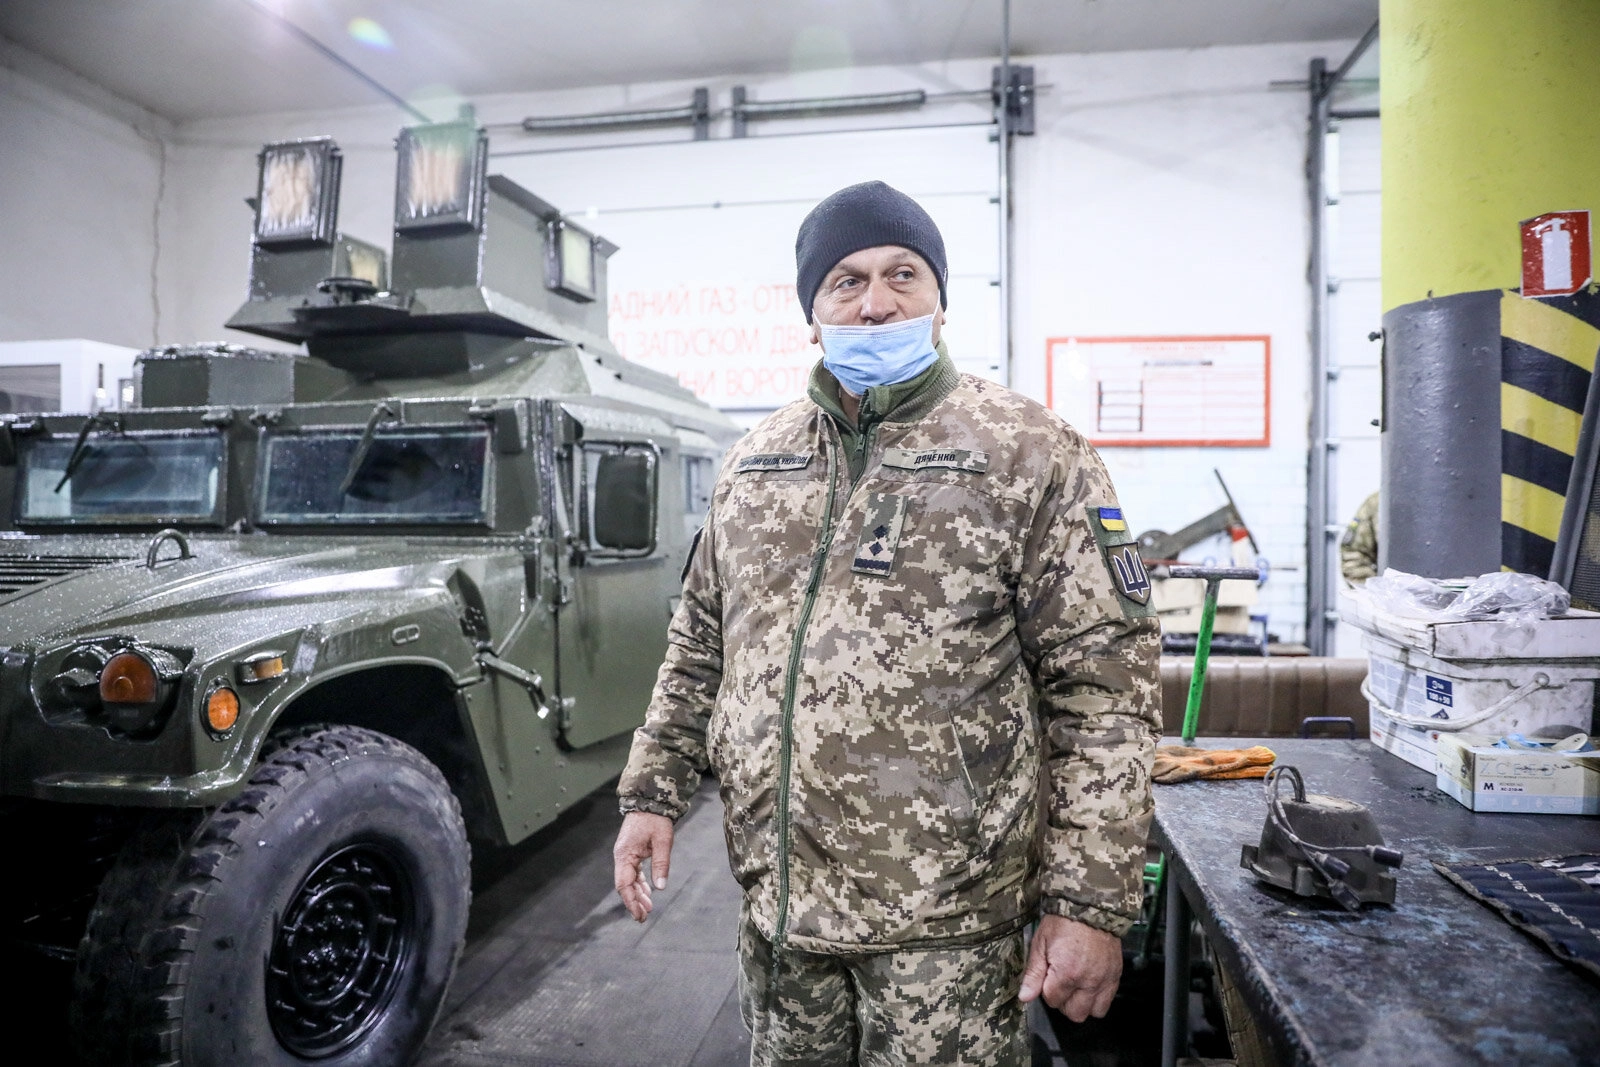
(128, 678)
(261, 667)
(222, 709)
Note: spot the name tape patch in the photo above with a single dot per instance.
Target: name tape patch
(774, 461)
(880, 534)
(957, 459)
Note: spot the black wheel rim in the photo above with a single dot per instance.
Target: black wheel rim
(345, 939)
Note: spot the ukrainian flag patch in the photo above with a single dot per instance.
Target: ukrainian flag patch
(1121, 555)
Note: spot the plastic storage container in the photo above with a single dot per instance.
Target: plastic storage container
(1488, 678)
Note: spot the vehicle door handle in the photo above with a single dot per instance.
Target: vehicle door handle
(530, 681)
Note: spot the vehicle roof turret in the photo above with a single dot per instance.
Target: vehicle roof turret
(483, 273)
(491, 292)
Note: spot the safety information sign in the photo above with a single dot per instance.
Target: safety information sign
(734, 345)
(1212, 390)
(1555, 253)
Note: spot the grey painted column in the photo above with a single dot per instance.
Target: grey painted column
(1439, 514)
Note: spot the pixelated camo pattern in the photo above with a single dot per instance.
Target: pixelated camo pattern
(1358, 548)
(954, 1005)
(927, 704)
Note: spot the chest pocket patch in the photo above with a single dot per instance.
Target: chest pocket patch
(774, 461)
(880, 534)
(1121, 553)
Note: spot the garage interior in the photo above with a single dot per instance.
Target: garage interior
(1280, 262)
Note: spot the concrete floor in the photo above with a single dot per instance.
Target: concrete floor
(556, 974)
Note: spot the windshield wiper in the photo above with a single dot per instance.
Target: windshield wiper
(81, 448)
(382, 413)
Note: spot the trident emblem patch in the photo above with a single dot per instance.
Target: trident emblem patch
(1128, 575)
(1127, 571)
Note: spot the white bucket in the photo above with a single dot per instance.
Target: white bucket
(1414, 697)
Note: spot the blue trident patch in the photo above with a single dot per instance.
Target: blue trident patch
(1127, 571)
(1128, 576)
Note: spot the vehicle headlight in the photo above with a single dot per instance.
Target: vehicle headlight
(77, 682)
(297, 197)
(439, 177)
(136, 689)
(128, 688)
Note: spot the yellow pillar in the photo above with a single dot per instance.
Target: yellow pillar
(1491, 115)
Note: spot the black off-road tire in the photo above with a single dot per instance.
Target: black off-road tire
(315, 918)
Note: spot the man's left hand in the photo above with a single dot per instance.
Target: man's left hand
(1074, 966)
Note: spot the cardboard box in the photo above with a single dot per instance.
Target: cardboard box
(1228, 620)
(1575, 635)
(1485, 778)
(1180, 594)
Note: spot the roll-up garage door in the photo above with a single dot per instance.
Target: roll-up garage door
(703, 286)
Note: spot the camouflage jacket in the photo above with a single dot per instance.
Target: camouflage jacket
(1358, 548)
(884, 669)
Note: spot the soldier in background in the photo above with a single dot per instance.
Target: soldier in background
(1358, 549)
(916, 646)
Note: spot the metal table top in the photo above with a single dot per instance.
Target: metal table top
(1437, 979)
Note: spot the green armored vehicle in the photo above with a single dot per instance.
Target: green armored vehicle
(276, 641)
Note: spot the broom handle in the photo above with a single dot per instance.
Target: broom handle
(1213, 577)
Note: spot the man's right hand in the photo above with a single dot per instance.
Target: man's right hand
(643, 836)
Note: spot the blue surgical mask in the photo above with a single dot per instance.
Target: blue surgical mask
(864, 356)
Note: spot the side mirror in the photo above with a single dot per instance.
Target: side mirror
(624, 498)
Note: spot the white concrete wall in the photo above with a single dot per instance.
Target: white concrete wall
(80, 174)
(1163, 194)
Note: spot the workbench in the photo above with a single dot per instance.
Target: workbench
(1437, 979)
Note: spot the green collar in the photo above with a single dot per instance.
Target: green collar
(905, 401)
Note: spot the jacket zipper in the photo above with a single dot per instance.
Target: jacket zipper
(864, 438)
(796, 648)
(786, 735)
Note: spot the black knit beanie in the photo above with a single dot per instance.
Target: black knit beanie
(863, 216)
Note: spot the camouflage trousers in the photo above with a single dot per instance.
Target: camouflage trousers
(881, 1009)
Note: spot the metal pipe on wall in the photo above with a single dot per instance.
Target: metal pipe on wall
(1322, 525)
(1318, 536)
(1003, 119)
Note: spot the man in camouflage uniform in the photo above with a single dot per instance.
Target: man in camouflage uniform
(916, 646)
(1358, 549)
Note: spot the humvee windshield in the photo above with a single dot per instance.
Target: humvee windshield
(119, 478)
(408, 475)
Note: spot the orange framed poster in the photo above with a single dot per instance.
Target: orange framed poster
(1167, 391)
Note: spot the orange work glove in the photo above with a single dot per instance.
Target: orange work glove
(1181, 763)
